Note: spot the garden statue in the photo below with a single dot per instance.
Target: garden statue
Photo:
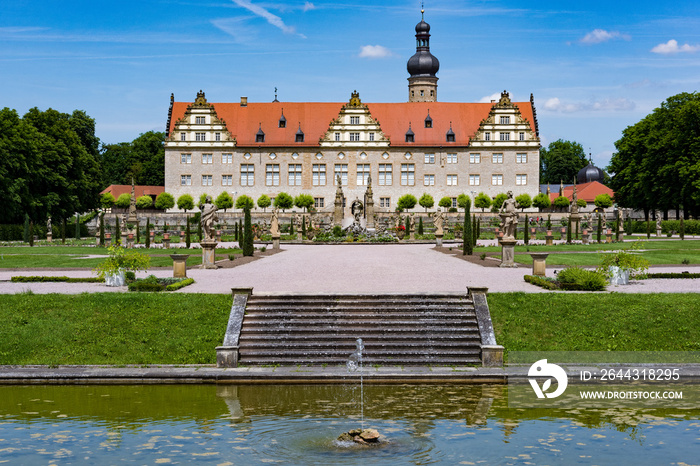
(356, 210)
(207, 219)
(658, 223)
(132, 204)
(438, 220)
(125, 228)
(275, 223)
(509, 217)
(574, 202)
(413, 221)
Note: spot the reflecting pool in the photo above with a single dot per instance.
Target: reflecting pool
(298, 424)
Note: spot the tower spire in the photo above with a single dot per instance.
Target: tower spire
(422, 66)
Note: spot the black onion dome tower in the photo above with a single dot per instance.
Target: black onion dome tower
(590, 173)
(423, 66)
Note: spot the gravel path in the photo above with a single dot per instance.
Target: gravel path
(407, 268)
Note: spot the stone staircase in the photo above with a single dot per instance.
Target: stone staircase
(401, 330)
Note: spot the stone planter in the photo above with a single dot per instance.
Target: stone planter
(310, 235)
(400, 234)
(619, 276)
(116, 279)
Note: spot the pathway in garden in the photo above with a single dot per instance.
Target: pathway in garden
(353, 268)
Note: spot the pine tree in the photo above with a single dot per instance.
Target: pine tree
(467, 246)
(102, 229)
(303, 227)
(526, 237)
(248, 247)
(138, 232)
(148, 233)
(408, 225)
(420, 225)
(118, 231)
(187, 234)
(478, 228)
(475, 229)
(599, 231)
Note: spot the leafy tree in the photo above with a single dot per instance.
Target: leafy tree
(524, 201)
(581, 203)
(165, 201)
(407, 202)
(143, 159)
(426, 201)
(561, 161)
(445, 202)
(304, 201)
(284, 201)
(482, 201)
(562, 202)
(498, 201)
(264, 202)
(202, 199)
(144, 202)
(541, 201)
(107, 200)
(123, 201)
(244, 202)
(464, 201)
(223, 201)
(603, 201)
(185, 202)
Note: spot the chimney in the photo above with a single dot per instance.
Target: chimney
(244, 101)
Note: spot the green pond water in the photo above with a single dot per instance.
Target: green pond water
(298, 424)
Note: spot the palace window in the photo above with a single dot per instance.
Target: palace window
(294, 174)
(451, 158)
(185, 180)
(520, 180)
(226, 180)
(337, 137)
(504, 136)
(185, 158)
(408, 172)
(318, 174)
(354, 120)
(362, 174)
(354, 137)
(505, 120)
(454, 202)
(474, 180)
(497, 180)
(247, 174)
(371, 136)
(342, 170)
(451, 180)
(487, 136)
(384, 202)
(318, 202)
(429, 158)
(226, 158)
(385, 174)
(207, 180)
(272, 174)
(428, 180)
(520, 158)
(217, 136)
(497, 158)
(521, 136)
(207, 158)
(183, 136)
(474, 158)
(200, 120)
(200, 136)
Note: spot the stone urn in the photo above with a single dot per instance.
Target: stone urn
(400, 234)
(310, 234)
(166, 236)
(549, 232)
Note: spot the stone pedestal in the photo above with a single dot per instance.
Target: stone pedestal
(218, 236)
(508, 252)
(276, 241)
(97, 239)
(412, 235)
(179, 265)
(227, 356)
(549, 238)
(575, 222)
(108, 239)
(438, 240)
(49, 236)
(166, 241)
(130, 241)
(539, 263)
(492, 355)
(608, 236)
(658, 232)
(338, 211)
(208, 254)
(369, 212)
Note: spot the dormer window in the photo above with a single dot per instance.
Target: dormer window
(260, 135)
(283, 121)
(450, 136)
(410, 136)
(299, 137)
(428, 121)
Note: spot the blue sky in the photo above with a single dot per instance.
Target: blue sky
(594, 67)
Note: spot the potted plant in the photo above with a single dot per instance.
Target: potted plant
(118, 262)
(401, 231)
(621, 265)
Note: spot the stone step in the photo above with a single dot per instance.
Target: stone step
(460, 360)
(363, 330)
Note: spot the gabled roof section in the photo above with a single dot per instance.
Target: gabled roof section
(586, 191)
(316, 118)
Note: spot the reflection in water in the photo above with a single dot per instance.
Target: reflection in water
(293, 424)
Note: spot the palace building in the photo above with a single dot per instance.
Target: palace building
(415, 147)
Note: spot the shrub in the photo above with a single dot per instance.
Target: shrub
(165, 201)
(122, 259)
(445, 202)
(337, 231)
(541, 201)
(185, 202)
(406, 202)
(223, 201)
(482, 201)
(284, 201)
(576, 278)
(541, 282)
(123, 201)
(426, 201)
(180, 284)
(264, 202)
(144, 202)
(304, 201)
(107, 200)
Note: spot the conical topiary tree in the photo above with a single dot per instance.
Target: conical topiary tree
(526, 235)
(188, 238)
(599, 231)
(102, 229)
(467, 236)
(148, 233)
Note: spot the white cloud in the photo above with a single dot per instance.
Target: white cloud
(605, 105)
(491, 98)
(309, 6)
(598, 36)
(671, 47)
(374, 51)
(269, 17)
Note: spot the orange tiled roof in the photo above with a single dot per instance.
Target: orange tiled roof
(119, 189)
(314, 119)
(586, 191)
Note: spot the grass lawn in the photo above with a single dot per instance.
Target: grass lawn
(77, 256)
(596, 322)
(150, 328)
